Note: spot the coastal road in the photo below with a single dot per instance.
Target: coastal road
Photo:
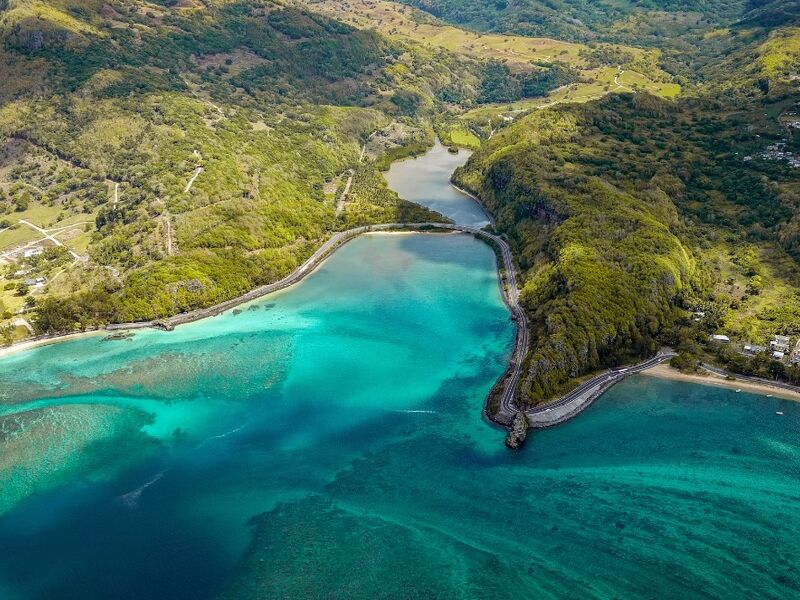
(556, 412)
(506, 406)
(509, 286)
(336, 240)
(584, 395)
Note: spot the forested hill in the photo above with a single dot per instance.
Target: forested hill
(771, 13)
(585, 20)
(631, 213)
(150, 46)
(185, 152)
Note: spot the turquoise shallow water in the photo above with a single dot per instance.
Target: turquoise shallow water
(327, 442)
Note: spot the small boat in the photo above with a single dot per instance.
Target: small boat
(738, 390)
(778, 412)
(769, 395)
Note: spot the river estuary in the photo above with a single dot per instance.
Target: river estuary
(327, 442)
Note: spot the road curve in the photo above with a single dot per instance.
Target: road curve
(508, 281)
(577, 400)
(509, 382)
(543, 416)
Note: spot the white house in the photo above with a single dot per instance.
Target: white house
(752, 349)
(780, 343)
(722, 339)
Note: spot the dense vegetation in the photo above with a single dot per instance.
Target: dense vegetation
(500, 84)
(631, 212)
(575, 20)
(113, 108)
(186, 152)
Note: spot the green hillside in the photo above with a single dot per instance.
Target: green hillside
(164, 156)
(584, 20)
(630, 213)
(183, 153)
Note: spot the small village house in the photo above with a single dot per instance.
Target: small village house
(752, 349)
(780, 343)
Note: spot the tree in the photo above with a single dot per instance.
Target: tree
(754, 285)
(6, 335)
(22, 201)
(407, 101)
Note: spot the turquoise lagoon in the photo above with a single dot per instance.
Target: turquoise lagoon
(327, 442)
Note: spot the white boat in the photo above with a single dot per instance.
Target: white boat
(778, 412)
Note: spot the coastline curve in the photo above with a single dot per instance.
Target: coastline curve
(506, 385)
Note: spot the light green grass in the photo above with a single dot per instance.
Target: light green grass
(15, 236)
(463, 137)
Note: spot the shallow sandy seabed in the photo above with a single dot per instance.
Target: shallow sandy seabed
(666, 372)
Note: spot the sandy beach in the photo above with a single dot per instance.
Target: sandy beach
(666, 372)
(30, 344)
(181, 319)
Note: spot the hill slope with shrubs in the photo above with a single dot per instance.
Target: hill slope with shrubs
(186, 152)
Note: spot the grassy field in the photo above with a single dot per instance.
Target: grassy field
(458, 134)
(598, 82)
(393, 19)
(516, 52)
(16, 235)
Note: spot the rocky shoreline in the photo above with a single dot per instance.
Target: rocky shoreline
(518, 431)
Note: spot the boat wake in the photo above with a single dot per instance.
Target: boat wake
(131, 499)
(423, 412)
(222, 435)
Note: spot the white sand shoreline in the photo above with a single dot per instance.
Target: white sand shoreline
(31, 344)
(235, 302)
(664, 371)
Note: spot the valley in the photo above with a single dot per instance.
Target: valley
(168, 178)
(278, 278)
(281, 441)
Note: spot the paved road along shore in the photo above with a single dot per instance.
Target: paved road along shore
(508, 282)
(553, 413)
(758, 380)
(509, 381)
(582, 396)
